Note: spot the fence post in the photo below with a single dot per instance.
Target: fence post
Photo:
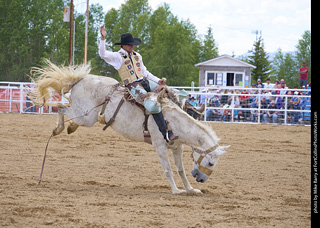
(10, 98)
(21, 98)
(259, 105)
(285, 110)
(232, 107)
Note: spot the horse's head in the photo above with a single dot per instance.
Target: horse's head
(205, 161)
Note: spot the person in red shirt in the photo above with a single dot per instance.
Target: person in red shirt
(303, 71)
(244, 98)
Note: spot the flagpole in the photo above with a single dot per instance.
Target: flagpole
(71, 32)
(86, 35)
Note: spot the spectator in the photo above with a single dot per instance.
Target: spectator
(256, 113)
(264, 103)
(193, 102)
(303, 104)
(276, 86)
(283, 87)
(226, 113)
(212, 115)
(295, 88)
(309, 93)
(259, 84)
(224, 97)
(278, 102)
(188, 98)
(303, 71)
(268, 85)
(220, 113)
(296, 106)
(244, 113)
(230, 97)
(202, 100)
(253, 100)
(282, 81)
(215, 100)
(236, 102)
(244, 98)
(290, 114)
(289, 98)
(271, 113)
(267, 96)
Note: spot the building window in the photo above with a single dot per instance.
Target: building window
(238, 80)
(219, 78)
(210, 78)
(214, 78)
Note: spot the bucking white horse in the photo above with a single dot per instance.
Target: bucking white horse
(88, 92)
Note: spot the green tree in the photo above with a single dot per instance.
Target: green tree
(259, 58)
(284, 67)
(209, 49)
(173, 57)
(25, 33)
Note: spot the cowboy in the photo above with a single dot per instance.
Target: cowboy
(135, 76)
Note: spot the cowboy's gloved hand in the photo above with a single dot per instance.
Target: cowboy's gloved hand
(162, 81)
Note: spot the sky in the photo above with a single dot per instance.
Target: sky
(234, 22)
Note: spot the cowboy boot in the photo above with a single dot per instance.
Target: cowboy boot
(167, 135)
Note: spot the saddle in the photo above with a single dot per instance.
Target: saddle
(160, 92)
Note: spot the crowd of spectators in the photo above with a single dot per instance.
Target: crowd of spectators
(264, 102)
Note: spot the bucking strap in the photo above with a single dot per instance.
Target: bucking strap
(114, 114)
(146, 133)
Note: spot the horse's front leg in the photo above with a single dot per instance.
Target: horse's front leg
(178, 155)
(60, 125)
(164, 159)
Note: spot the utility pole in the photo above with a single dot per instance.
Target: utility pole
(71, 33)
(256, 32)
(86, 35)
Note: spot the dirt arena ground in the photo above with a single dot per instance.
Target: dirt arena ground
(94, 178)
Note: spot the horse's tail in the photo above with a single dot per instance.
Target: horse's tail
(55, 78)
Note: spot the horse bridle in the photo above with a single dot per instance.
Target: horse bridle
(203, 153)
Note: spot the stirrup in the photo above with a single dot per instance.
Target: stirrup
(170, 140)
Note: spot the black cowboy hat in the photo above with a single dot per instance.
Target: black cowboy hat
(129, 40)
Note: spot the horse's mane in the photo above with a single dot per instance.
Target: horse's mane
(59, 78)
(168, 105)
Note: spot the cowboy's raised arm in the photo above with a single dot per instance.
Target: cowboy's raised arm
(113, 58)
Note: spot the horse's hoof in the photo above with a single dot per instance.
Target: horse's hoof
(194, 191)
(57, 131)
(72, 128)
(101, 119)
(178, 191)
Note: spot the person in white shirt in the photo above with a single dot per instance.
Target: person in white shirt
(267, 85)
(135, 75)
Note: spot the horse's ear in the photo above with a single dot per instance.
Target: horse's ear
(224, 147)
(222, 150)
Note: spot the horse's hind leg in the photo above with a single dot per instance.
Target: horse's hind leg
(177, 155)
(60, 126)
(72, 127)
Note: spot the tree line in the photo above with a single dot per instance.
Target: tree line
(33, 30)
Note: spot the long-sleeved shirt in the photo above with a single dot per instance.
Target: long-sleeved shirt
(115, 60)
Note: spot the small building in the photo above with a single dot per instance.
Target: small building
(225, 71)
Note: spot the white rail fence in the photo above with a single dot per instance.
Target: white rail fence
(13, 98)
(251, 105)
(219, 104)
